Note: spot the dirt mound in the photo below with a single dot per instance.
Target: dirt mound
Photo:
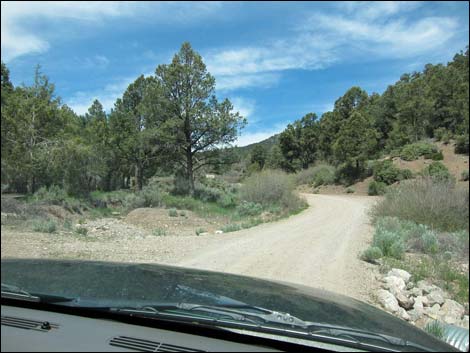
(185, 223)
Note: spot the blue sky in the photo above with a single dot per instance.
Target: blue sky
(276, 61)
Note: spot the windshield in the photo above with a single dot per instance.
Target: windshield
(293, 167)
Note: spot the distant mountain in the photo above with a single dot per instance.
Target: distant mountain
(267, 144)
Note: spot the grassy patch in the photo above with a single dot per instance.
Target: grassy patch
(81, 231)
(200, 231)
(231, 228)
(159, 232)
(44, 225)
(173, 212)
(437, 204)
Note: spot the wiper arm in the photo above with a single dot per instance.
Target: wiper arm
(13, 292)
(268, 319)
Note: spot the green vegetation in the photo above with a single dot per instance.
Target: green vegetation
(159, 232)
(376, 188)
(231, 228)
(271, 188)
(320, 174)
(372, 254)
(413, 151)
(461, 144)
(172, 212)
(385, 172)
(350, 190)
(44, 225)
(81, 230)
(200, 231)
(432, 202)
(436, 329)
(464, 175)
(437, 171)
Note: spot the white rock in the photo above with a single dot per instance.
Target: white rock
(403, 314)
(416, 292)
(425, 286)
(436, 297)
(203, 234)
(420, 302)
(388, 300)
(395, 284)
(219, 231)
(433, 312)
(396, 272)
(415, 314)
(451, 312)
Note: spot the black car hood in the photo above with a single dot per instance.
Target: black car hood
(129, 282)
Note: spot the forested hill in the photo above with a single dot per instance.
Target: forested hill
(153, 130)
(432, 103)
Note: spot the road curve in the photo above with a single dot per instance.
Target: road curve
(318, 247)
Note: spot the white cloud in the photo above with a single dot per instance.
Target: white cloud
(233, 82)
(247, 138)
(394, 38)
(244, 106)
(19, 38)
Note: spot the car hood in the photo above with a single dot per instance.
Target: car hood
(135, 283)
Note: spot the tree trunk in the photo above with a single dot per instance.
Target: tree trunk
(189, 171)
(139, 176)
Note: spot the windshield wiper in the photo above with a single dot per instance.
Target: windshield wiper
(252, 317)
(13, 292)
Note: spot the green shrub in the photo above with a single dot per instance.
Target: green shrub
(271, 187)
(439, 133)
(53, 195)
(430, 243)
(397, 250)
(350, 190)
(151, 195)
(464, 175)
(435, 156)
(231, 228)
(44, 225)
(405, 174)
(200, 231)
(172, 212)
(227, 200)
(436, 329)
(81, 231)
(438, 204)
(67, 224)
(461, 144)
(386, 172)
(413, 151)
(133, 201)
(376, 188)
(390, 243)
(159, 232)
(246, 208)
(322, 174)
(438, 171)
(372, 254)
(325, 175)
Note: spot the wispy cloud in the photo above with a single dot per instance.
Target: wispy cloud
(107, 95)
(260, 66)
(249, 137)
(245, 106)
(19, 37)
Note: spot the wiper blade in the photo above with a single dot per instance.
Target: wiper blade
(257, 317)
(13, 292)
(241, 313)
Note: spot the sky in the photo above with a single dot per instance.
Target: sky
(275, 61)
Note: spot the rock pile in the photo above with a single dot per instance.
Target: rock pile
(419, 303)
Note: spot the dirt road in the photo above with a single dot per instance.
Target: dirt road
(318, 247)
